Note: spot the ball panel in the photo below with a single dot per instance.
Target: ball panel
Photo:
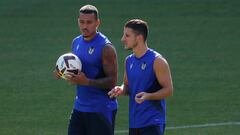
(68, 63)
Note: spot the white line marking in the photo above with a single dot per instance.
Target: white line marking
(191, 126)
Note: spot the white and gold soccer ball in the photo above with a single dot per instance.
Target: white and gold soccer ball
(68, 63)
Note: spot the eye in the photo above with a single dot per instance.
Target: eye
(81, 22)
(89, 22)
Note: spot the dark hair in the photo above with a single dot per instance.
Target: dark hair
(89, 9)
(139, 27)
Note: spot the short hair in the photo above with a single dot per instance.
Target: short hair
(89, 9)
(139, 27)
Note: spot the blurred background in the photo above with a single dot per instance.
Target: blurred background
(199, 39)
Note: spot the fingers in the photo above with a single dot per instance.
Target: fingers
(140, 94)
(116, 91)
(79, 78)
(69, 75)
(112, 93)
(56, 74)
(140, 97)
(72, 78)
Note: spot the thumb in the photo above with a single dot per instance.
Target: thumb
(139, 95)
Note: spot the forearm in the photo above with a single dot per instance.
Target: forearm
(160, 94)
(103, 83)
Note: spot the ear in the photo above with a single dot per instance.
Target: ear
(98, 22)
(140, 37)
(78, 20)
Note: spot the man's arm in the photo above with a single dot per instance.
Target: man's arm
(120, 90)
(125, 85)
(163, 74)
(110, 67)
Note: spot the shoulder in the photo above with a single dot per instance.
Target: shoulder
(109, 55)
(129, 57)
(158, 60)
(75, 41)
(128, 60)
(101, 35)
(160, 63)
(154, 53)
(77, 38)
(103, 38)
(108, 47)
(109, 50)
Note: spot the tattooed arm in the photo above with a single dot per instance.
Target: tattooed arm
(110, 67)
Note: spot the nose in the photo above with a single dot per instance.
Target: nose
(83, 25)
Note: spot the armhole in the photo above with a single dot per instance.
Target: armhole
(155, 58)
(73, 41)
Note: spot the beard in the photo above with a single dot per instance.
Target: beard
(87, 34)
(131, 47)
(127, 48)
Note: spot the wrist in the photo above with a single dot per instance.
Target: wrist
(89, 82)
(147, 96)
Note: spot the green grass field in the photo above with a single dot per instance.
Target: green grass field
(199, 38)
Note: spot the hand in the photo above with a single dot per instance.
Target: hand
(80, 78)
(56, 74)
(116, 91)
(140, 97)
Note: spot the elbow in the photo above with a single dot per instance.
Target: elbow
(170, 91)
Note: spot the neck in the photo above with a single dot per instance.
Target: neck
(140, 50)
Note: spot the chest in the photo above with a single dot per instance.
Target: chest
(140, 71)
(89, 54)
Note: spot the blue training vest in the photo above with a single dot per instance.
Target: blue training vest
(141, 77)
(92, 99)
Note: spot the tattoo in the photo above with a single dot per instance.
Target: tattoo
(110, 67)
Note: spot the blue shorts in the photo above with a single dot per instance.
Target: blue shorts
(149, 130)
(91, 123)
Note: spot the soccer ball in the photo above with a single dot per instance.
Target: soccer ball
(68, 63)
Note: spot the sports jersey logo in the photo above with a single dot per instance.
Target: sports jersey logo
(78, 47)
(131, 66)
(143, 67)
(91, 50)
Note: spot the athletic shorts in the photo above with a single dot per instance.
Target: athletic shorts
(149, 130)
(91, 123)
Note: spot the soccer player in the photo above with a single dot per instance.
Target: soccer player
(94, 111)
(147, 81)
